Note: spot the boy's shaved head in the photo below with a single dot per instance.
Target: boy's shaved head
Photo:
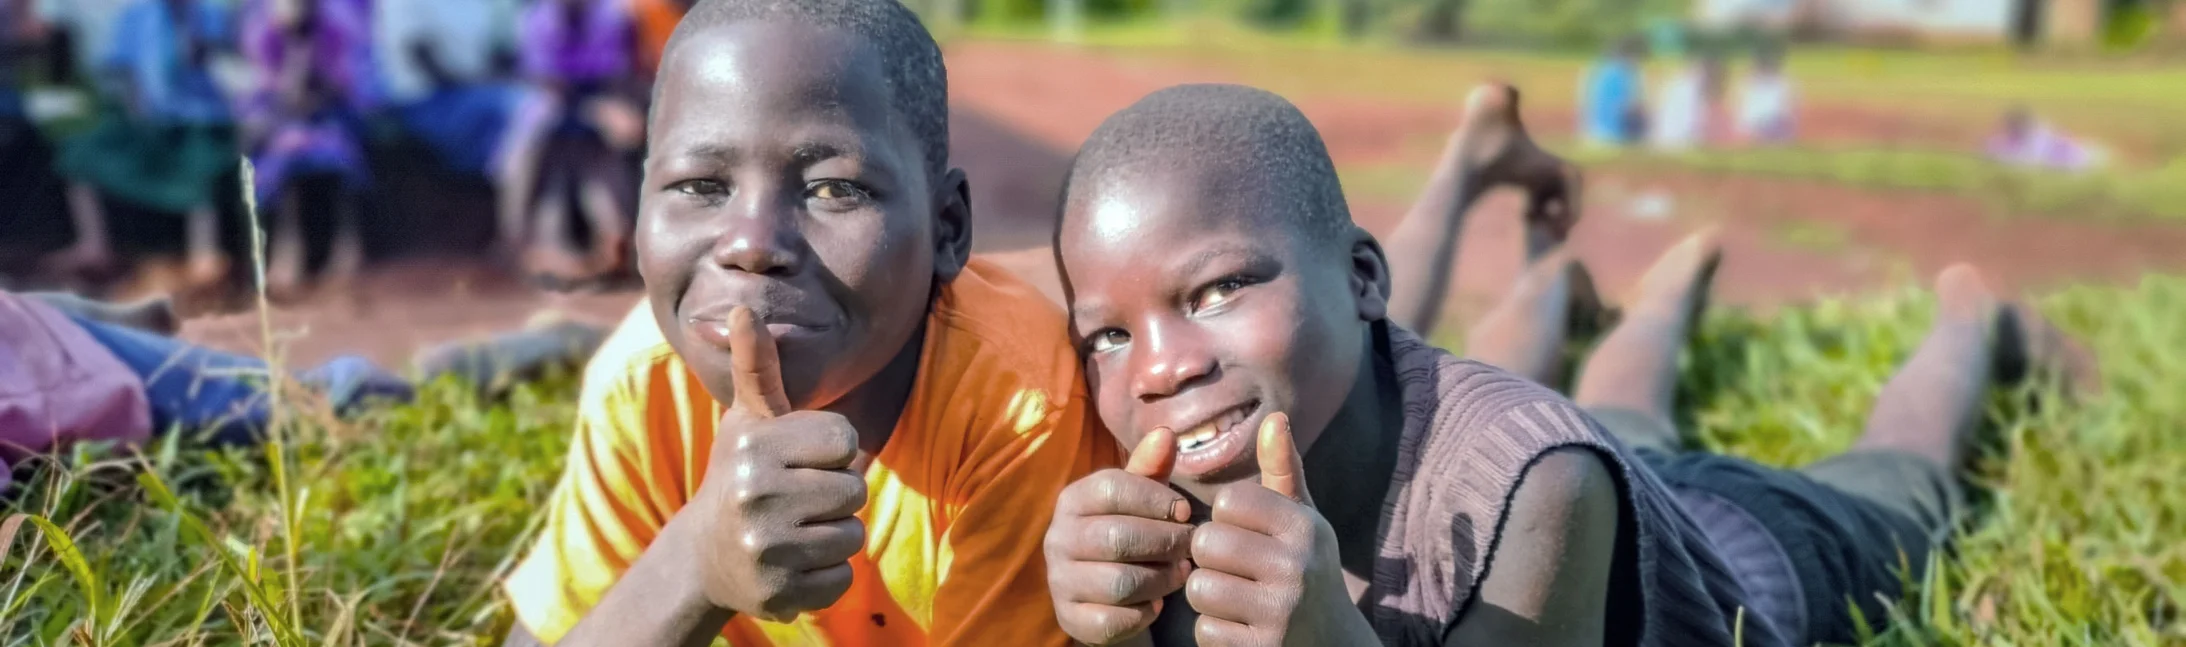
(917, 81)
(1254, 141)
(1215, 277)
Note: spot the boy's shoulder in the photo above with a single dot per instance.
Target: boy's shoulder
(1450, 392)
(989, 319)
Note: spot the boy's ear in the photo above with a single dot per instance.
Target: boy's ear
(952, 225)
(1369, 277)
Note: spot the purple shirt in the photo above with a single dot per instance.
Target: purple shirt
(339, 49)
(592, 48)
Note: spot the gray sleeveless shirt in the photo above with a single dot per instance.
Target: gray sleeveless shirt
(1470, 432)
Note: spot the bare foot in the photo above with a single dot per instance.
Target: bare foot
(608, 255)
(555, 264)
(1677, 284)
(2030, 347)
(1492, 143)
(205, 269)
(1962, 295)
(79, 260)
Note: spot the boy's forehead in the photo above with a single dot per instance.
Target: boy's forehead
(755, 75)
(738, 56)
(1167, 201)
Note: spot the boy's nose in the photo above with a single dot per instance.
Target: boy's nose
(1170, 361)
(760, 236)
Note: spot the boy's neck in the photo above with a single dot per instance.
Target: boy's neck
(1348, 467)
(875, 406)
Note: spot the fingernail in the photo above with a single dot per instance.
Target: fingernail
(1181, 511)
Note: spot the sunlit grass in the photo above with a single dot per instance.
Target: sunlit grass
(403, 521)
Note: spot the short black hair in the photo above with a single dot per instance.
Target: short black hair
(1262, 141)
(916, 78)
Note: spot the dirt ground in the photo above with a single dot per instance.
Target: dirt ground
(1020, 108)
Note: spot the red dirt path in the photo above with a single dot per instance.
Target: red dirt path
(1020, 107)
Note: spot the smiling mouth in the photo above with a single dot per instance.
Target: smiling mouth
(1204, 435)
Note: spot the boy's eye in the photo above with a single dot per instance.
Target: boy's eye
(838, 194)
(700, 188)
(1217, 294)
(1106, 340)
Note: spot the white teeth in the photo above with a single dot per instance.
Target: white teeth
(1197, 437)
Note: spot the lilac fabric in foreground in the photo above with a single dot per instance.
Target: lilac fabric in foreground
(58, 386)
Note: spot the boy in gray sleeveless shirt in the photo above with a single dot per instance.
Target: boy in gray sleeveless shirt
(1221, 294)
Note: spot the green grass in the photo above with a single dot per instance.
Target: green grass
(2126, 194)
(403, 521)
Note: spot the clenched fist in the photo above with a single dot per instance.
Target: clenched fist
(1118, 545)
(777, 512)
(1268, 572)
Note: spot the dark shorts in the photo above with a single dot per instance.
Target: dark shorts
(1811, 544)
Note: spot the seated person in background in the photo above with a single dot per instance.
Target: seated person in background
(168, 142)
(572, 135)
(1613, 97)
(827, 426)
(1768, 105)
(1689, 110)
(304, 127)
(74, 370)
(447, 70)
(1242, 345)
(2024, 141)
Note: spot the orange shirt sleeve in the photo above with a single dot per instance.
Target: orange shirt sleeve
(619, 486)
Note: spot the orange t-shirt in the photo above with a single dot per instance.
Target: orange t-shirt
(956, 506)
(656, 21)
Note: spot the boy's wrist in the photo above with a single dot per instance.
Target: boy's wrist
(688, 585)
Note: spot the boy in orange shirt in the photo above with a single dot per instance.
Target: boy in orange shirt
(903, 418)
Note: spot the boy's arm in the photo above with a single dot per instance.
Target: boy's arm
(659, 601)
(1548, 582)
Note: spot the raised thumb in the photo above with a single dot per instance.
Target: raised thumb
(1281, 468)
(756, 366)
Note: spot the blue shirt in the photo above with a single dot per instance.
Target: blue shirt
(1612, 88)
(150, 49)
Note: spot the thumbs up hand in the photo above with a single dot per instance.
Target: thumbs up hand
(777, 510)
(1268, 572)
(1117, 546)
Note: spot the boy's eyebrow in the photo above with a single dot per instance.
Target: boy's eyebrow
(715, 153)
(1198, 261)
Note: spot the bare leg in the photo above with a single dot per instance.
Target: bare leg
(207, 265)
(347, 256)
(1635, 368)
(515, 185)
(547, 342)
(1932, 406)
(1489, 148)
(286, 257)
(91, 251)
(1526, 331)
(604, 213)
(550, 254)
